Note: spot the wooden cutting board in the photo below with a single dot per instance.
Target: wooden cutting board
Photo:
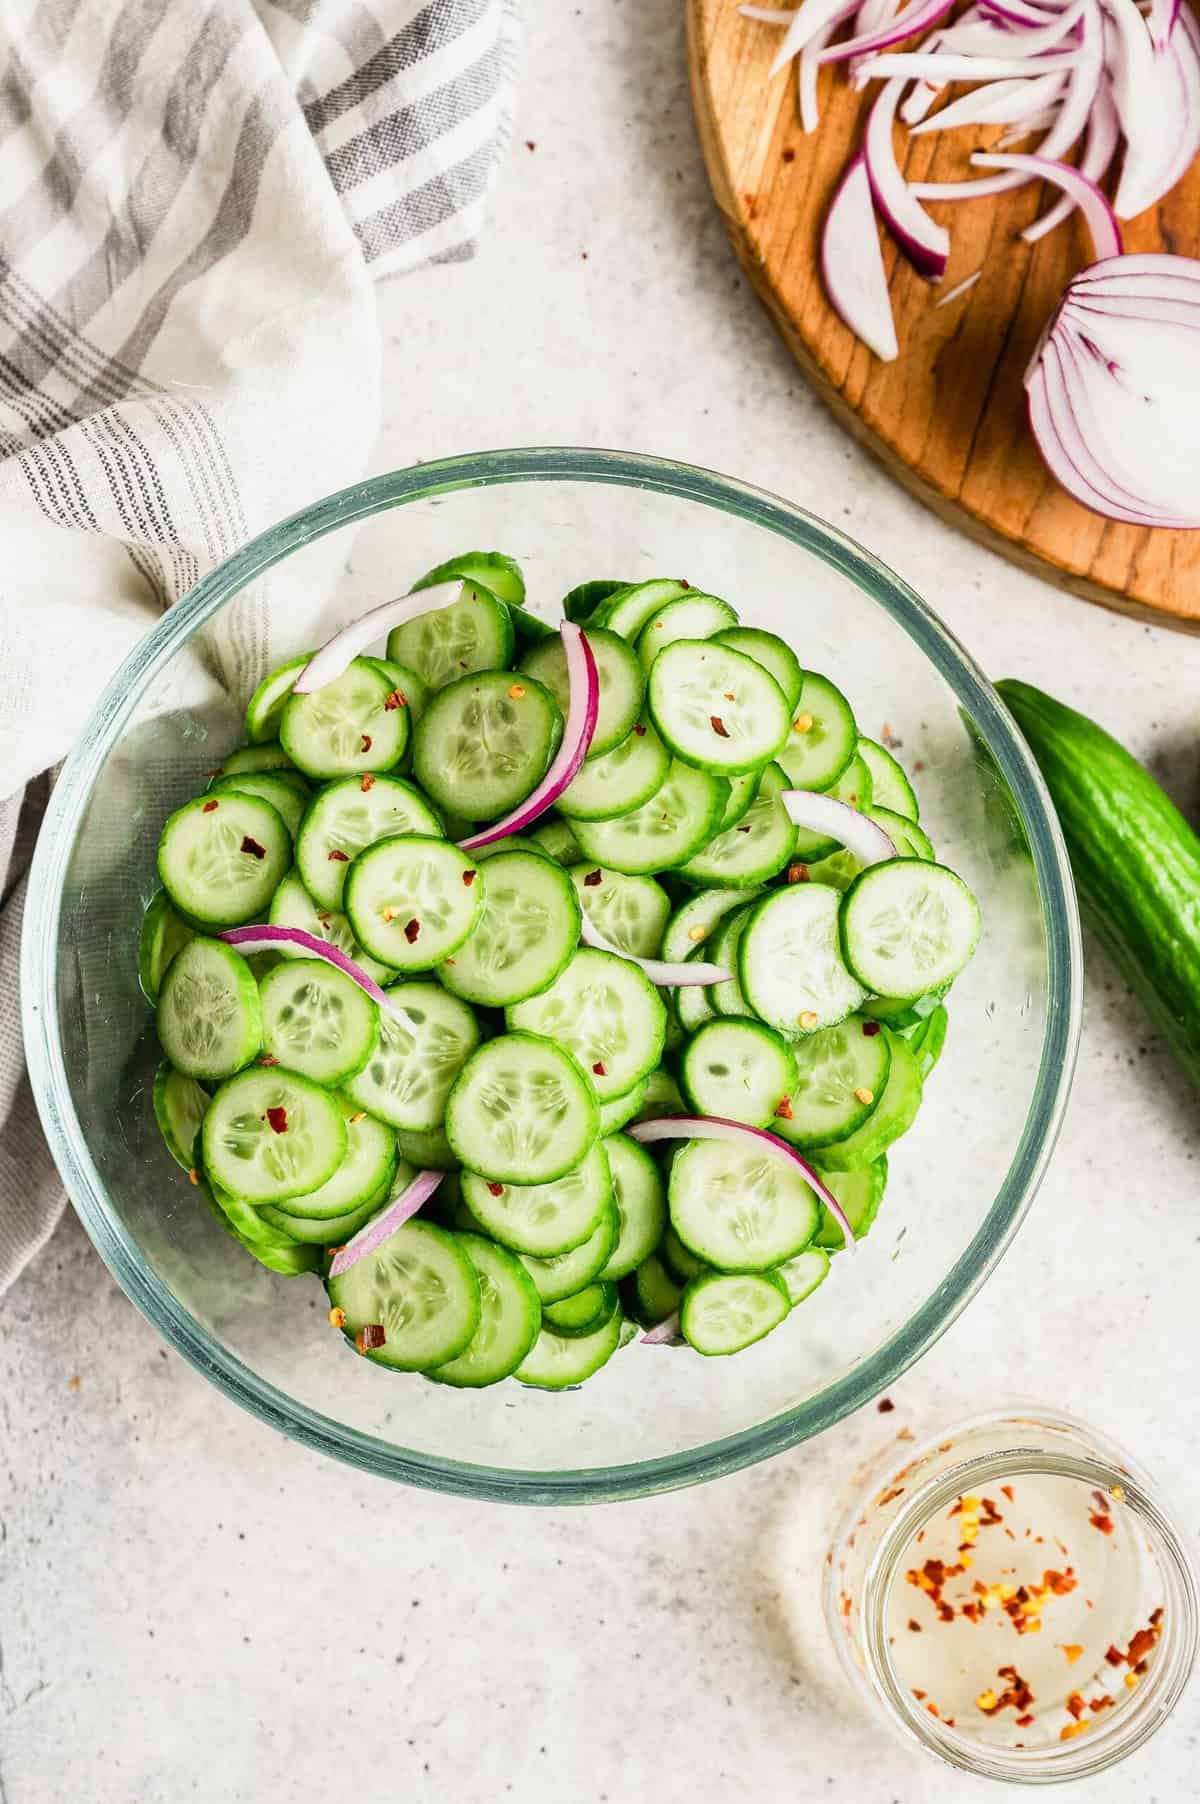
(947, 417)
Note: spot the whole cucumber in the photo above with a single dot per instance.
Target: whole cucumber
(1136, 861)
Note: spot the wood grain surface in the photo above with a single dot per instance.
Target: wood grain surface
(947, 417)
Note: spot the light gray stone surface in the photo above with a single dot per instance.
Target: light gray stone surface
(191, 1607)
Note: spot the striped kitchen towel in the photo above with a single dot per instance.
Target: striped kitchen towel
(195, 202)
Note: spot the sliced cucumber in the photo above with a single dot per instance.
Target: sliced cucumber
(209, 1019)
(427, 1149)
(889, 781)
(727, 998)
(656, 1295)
(221, 858)
(556, 840)
(264, 710)
(662, 1097)
(288, 801)
(412, 900)
(421, 1288)
(854, 786)
(521, 1111)
(327, 1230)
(164, 933)
(272, 1134)
(407, 1079)
(756, 848)
(641, 1205)
(692, 1002)
(524, 937)
(790, 964)
(500, 574)
(351, 725)
(740, 1208)
(631, 912)
(695, 921)
(772, 653)
(892, 1116)
(721, 1313)
(605, 1011)
(270, 755)
(841, 1075)
(246, 1222)
(581, 602)
(179, 1108)
(408, 689)
(904, 1012)
(365, 1174)
(557, 1361)
(678, 819)
(292, 906)
(618, 782)
(349, 815)
(715, 708)
(823, 738)
(742, 791)
(619, 1109)
(622, 683)
(680, 1263)
(692, 616)
(543, 1219)
(860, 1193)
(910, 840)
(584, 1312)
(563, 1274)
(316, 1020)
(805, 1273)
(628, 611)
(738, 1069)
(510, 1319)
(474, 633)
(928, 1039)
(907, 926)
(484, 742)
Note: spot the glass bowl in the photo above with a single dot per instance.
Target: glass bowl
(655, 1418)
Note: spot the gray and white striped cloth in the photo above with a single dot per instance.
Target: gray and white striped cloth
(195, 203)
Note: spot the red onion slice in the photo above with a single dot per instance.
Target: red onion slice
(837, 820)
(917, 17)
(925, 243)
(583, 707)
(1026, 40)
(716, 1127)
(852, 264)
(941, 66)
(269, 939)
(656, 969)
(385, 1224)
(996, 103)
(1103, 136)
(663, 1332)
(810, 69)
(812, 17)
(1101, 220)
(337, 653)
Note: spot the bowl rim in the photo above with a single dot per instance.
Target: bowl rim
(731, 1452)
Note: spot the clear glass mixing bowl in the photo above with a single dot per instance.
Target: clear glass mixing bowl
(655, 1418)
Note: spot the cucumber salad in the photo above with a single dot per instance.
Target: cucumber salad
(535, 984)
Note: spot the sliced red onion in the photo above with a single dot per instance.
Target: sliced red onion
(837, 820)
(656, 969)
(1135, 88)
(1101, 220)
(941, 66)
(1161, 19)
(919, 16)
(338, 653)
(582, 709)
(716, 1127)
(852, 264)
(663, 1333)
(921, 97)
(812, 17)
(269, 939)
(1028, 40)
(952, 294)
(810, 68)
(925, 243)
(995, 103)
(384, 1225)
(1103, 136)
(769, 15)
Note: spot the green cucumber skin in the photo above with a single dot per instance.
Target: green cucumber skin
(1135, 858)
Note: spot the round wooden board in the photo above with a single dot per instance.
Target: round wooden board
(948, 416)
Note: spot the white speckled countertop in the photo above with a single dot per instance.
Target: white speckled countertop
(191, 1607)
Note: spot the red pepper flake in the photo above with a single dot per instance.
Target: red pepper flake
(1101, 1521)
(870, 1029)
(367, 782)
(1075, 1704)
(919, 766)
(970, 1611)
(1096, 1705)
(729, 695)
(789, 156)
(1008, 1491)
(397, 699)
(885, 1406)
(914, 1626)
(991, 1514)
(784, 1108)
(468, 878)
(890, 1496)
(1060, 1582)
(338, 857)
(268, 1058)
(1023, 1722)
(797, 873)
(531, 143)
(718, 726)
(411, 930)
(370, 1337)
(1114, 1656)
(366, 742)
(495, 1189)
(252, 846)
(278, 1119)
(1140, 1646)
(920, 1695)
(592, 879)
(639, 729)
(599, 1069)
(209, 807)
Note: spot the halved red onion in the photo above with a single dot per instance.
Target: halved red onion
(656, 969)
(384, 1225)
(852, 264)
(716, 1127)
(270, 939)
(823, 814)
(338, 653)
(925, 243)
(662, 1333)
(583, 706)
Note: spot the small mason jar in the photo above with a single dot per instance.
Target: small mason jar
(1012, 1596)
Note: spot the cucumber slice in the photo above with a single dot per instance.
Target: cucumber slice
(738, 1069)
(412, 900)
(692, 1002)
(292, 906)
(272, 1134)
(521, 1111)
(680, 1263)
(557, 841)
(512, 842)
(264, 710)
(407, 1079)
(474, 633)
(324, 1231)
(679, 818)
(907, 926)
(525, 936)
(790, 964)
(756, 848)
(854, 786)
(251, 1228)
(837, 869)
(288, 801)
(722, 1314)
(221, 858)
(563, 1274)
(892, 1116)
(606, 1012)
(347, 816)
(584, 1312)
(928, 1040)
(727, 998)
(772, 653)
(365, 1175)
(910, 840)
(421, 1288)
(662, 1097)
(163, 934)
(317, 1021)
(209, 1019)
(618, 782)
(500, 574)
(349, 726)
(270, 755)
(740, 1208)
(841, 1074)
(484, 742)
(179, 1108)
(628, 611)
(903, 1012)
(543, 1219)
(860, 1194)
(890, 786)
(692, 616)
(557, 1361)
(823, 738)
(742, 791)
(620, 1109)
(715, 708)
(427, 1149)
(696, 920)
(656, 1295)
(509, 1322)
(583, 600)
(622, 683)
(641, 1205)
(631, 912)
(805, 1273)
